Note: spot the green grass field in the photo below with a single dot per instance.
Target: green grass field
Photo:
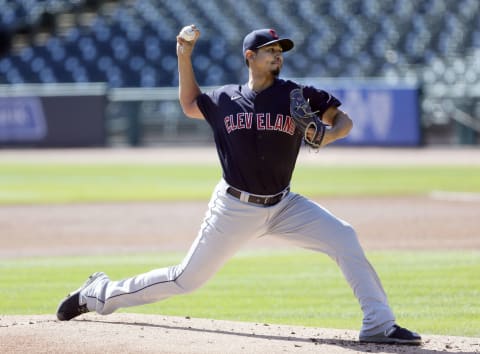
(433, 292)
(65, 183)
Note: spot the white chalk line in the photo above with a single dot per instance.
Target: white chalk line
(455, 196)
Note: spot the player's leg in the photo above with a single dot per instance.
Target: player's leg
(226, 227)
(311, 226)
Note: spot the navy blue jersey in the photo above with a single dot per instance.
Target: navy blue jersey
(256, 139)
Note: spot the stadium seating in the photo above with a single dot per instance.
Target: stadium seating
(132, 43)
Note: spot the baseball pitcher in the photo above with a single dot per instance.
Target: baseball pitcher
(259, 127)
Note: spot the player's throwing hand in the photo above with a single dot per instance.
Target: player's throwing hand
(186, 40)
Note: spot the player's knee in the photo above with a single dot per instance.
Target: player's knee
(347, 231)
(349, 235)
(347, 246)
(190, 283)
(190, 286)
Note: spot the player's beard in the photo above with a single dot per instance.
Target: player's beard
(276, 72)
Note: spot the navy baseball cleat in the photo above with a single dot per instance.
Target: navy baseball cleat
(70, 307)
(393, 335)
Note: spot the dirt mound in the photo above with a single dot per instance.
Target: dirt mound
(134, 333)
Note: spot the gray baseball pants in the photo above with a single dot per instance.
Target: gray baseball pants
(228, 225)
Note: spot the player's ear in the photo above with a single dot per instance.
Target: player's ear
(250, 55)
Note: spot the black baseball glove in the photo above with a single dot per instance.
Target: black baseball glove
(306, 120)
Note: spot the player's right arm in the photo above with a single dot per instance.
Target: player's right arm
(188, 89)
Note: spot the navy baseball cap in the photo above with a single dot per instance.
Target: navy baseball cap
(263, 37)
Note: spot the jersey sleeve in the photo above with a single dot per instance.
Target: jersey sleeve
(206, 102)
(320, 100)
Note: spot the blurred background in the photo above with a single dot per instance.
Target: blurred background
(87, 73)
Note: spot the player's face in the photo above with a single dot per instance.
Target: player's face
(270, 59)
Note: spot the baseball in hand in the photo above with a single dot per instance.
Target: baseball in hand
(188, 33)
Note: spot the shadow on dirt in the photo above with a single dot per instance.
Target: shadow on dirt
(344, 343)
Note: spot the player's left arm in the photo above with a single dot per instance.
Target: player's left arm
(339, 124)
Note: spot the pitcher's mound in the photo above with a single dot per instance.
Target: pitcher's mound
(136, 333)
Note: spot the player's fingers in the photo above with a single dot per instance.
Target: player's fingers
(185, 47)
(182, 41)
(197, 32)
